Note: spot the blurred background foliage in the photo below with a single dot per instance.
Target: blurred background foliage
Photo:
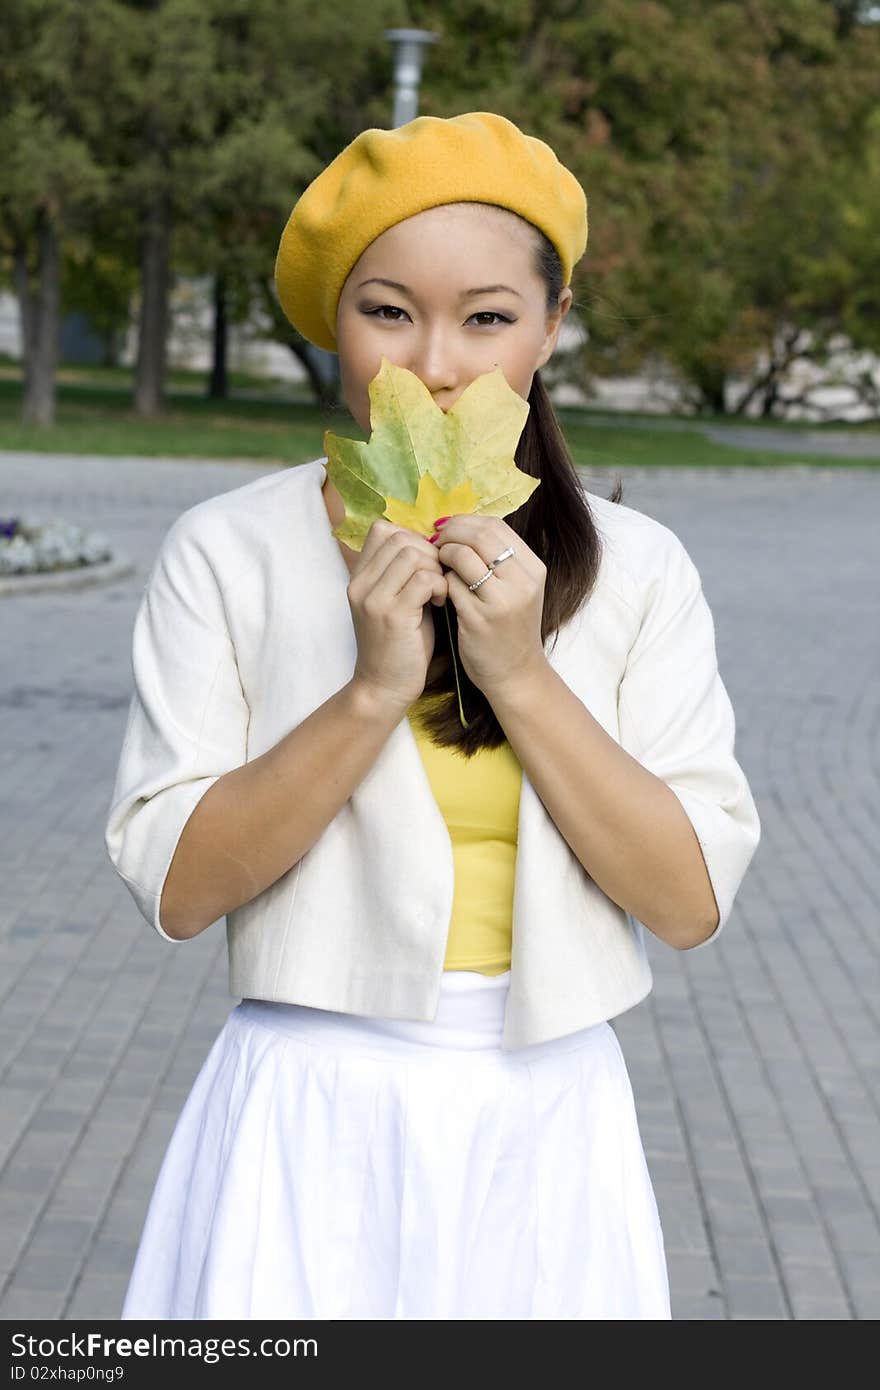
(729, 149)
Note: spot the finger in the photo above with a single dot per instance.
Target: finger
(464, 560)
(488, 537)
(460, 595)
(376, 537)
(390, 543)
(382, 531)
(441, 591)
(422, 587)
(403, 564)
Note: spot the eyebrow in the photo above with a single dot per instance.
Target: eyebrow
(466, 294)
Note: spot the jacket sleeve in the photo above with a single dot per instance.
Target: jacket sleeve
(676, 718)
(187, 721)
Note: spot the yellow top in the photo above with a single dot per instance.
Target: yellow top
(478, 798)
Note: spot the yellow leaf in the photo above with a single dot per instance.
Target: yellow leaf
(430, 503)
(421, 462)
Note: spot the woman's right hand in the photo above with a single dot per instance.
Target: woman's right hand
(397, 574)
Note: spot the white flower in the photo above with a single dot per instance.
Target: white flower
(51, 545)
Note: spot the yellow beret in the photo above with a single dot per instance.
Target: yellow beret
(385, 176)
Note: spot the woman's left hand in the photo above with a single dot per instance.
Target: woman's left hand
(499, 624)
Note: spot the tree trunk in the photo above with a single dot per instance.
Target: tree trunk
(22, 282)
(218, 387)
(326, 392)
(711, 384)
(112, 344)
(771, 396)
(38, 306)
(149, 382)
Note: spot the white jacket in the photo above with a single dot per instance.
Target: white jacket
(245, 628)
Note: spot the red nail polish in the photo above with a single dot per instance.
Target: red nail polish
(433, 538)
(441, 520)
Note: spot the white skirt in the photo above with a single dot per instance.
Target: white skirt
(328, 1165)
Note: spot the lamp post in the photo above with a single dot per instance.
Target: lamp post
(409, 52)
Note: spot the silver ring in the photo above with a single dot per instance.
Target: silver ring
(505, 555)
(487, 575)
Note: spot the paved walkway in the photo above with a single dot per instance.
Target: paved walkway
(805, 443)
(831, 443)
(755, 1063)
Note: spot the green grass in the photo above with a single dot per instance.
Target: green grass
(94, 416)
(94, 420)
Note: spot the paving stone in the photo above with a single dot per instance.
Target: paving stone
(687, 1308)
(739, 1219)
(97, 1298)
(31, 1305)
(795, 1241)
(822, 1310)
(747, 1259)
(789, 1209)
(854, 1234)
(46, 1271)
(867, 1301)
(124, 1220)
(693, 1274)
(60, 1235)
(861, 1270)
(813, 1279)
(22, 1180)
(683, 1226)
(759, 1299)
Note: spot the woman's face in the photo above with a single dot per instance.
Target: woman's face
(425, 317)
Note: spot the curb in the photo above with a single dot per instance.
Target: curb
(85, 577)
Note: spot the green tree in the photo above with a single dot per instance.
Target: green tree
(53, 104)
(99, 282)
(163, 121)
(236, 105)
(725, 149)
(295, 82)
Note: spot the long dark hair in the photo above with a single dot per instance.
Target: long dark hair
(556, 523)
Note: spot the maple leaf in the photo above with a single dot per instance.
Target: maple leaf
(422, 462)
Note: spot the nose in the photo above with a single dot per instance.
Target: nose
(433, 362)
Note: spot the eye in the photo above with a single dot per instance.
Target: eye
(490, 314)
(379, 313)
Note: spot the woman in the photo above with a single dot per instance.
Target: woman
(420, 1109)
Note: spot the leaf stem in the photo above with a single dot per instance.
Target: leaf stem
(464, 723)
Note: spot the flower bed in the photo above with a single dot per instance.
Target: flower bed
(36, 547)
